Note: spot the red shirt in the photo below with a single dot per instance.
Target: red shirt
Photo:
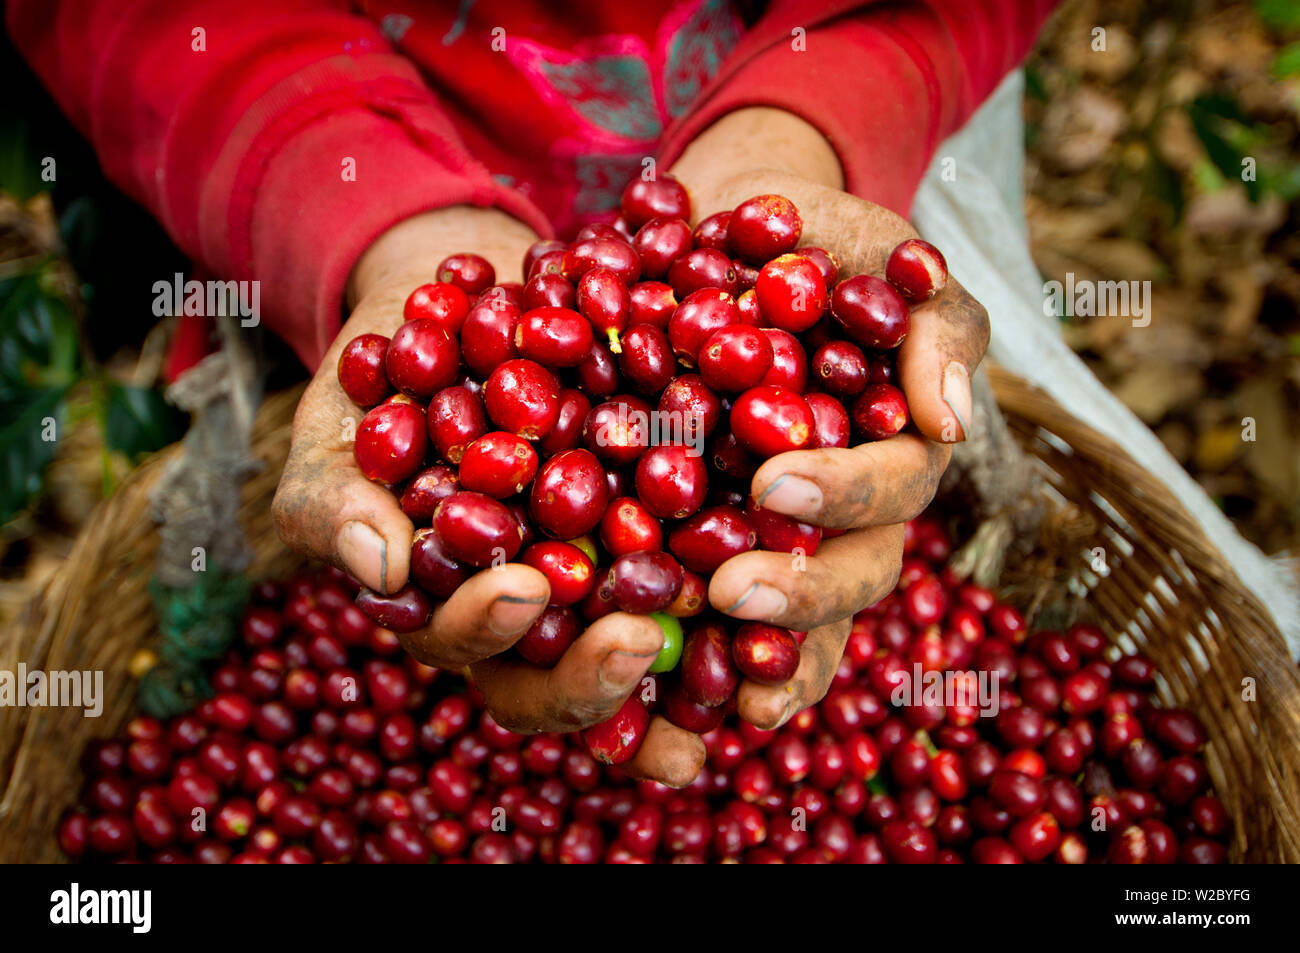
(564, 108)
(232, 120)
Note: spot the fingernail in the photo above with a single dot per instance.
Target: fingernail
(788, 712)
(364, 552)
(956, 394)
(511, 615)
(759, 602)
(793, 496)
(621, 671)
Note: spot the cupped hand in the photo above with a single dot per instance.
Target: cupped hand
(326, 508)
(869, 490)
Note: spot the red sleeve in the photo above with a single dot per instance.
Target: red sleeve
(884, 82)
(239, 147)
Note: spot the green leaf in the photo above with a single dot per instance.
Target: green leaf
(39, 360)
(1207, 177)
(1287, 61)
(1284, 182)
(1218, 123)
(1221, 106)
(1280, 14)
(1035, 88)
(39, 338)
(138, 420)
(20, 170)
(30, 426)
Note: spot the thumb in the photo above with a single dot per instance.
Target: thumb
(937, 359)
(325, 508)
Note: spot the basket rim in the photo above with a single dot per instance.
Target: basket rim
(1034, 404)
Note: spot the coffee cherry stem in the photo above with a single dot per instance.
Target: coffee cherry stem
(614, 344)
(923, 737)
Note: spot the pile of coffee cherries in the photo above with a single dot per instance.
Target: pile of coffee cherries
(324, 742)
(602, 423)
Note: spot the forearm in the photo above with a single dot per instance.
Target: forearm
(760, 150)
(406, 254)
(883, 84)
(749, 141)
(720, 165)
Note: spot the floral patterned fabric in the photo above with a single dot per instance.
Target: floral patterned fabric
(578, 99)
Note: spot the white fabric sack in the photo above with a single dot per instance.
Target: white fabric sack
(978, 220)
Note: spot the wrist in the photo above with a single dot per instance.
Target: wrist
(754, 145)
(406, 254)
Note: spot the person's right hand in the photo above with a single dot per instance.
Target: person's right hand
(325, 508)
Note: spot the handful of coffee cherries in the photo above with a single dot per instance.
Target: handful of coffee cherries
(602, 421)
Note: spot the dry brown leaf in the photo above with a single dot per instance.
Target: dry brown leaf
(1055, 264)
(1066, 227)
(1177, 142)
(1105, 334)
(1177, 438)
(1112, 63)
(1272, 456)
(1171, 338)
(1072, 32)
(1121, 259)
(1230, 41)
(1243, 286)
(1080, 127)
(1152, 390)
(1229, 211)
(1184, 86)
(1216, 447)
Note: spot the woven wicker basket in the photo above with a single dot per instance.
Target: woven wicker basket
(1165, 589)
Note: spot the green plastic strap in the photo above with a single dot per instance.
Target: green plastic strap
(198, 624)
(214, 595)
(167, 689)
